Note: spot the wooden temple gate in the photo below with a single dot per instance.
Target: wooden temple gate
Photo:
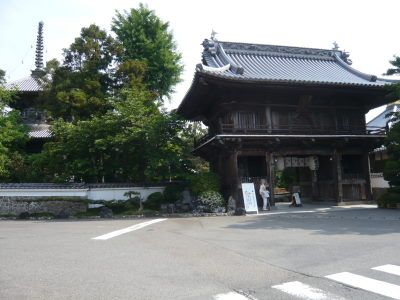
(266, 104)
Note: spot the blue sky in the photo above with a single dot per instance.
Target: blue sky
(368, 29)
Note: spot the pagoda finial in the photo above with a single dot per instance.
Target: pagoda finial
(39, 48)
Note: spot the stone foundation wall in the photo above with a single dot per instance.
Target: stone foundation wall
(17, 205)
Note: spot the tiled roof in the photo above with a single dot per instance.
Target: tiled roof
(83, 185)
(27, 84)
(39, 131)
(382, 119)
(42, 186)
(281, 64)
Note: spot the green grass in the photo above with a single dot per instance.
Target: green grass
(7, 216)
(91, 212)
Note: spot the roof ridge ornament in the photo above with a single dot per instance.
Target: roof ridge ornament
(343, 55)
(213, 34)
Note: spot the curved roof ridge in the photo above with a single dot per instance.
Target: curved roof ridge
(278, 54)
(345, 65)
(276, 48)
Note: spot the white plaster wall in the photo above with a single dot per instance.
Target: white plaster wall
(377, 181)
(91, 194)
(118, 193)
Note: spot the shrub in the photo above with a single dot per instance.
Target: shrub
(205, 181)
(42, 215)
(173, 192)
(211, 198)
(154, 201)
(389, 199)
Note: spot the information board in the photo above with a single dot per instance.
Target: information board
(249, 197)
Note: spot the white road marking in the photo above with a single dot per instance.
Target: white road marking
(126, 230)
(391, 269)
(368, 284)
(230, 296)
(304, 291)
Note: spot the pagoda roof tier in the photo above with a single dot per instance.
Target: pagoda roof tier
(27, 84)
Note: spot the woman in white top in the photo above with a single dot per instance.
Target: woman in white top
(264, 194)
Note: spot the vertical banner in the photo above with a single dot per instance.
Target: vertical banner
(249, 197)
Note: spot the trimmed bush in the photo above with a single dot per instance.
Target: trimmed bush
(42, 215)
(212, 199)
(154, 201)
(205, 181)
(173, 192)
(389, 200)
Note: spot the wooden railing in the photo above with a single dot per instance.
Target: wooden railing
(298, 130)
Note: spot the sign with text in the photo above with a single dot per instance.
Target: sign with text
(249, 197)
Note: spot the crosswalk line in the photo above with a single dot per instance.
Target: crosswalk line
(126, 230)
(391, 269)
(368, 284)
(304, 291)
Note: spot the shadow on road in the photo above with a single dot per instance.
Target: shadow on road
(363, 222)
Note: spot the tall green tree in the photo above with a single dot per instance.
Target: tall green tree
(391, 171)
(145, 37)
(81, 86)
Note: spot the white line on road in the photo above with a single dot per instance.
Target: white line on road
(368, 284)
(230, 296)
(391, 269)
(126, 230)
(304, 291)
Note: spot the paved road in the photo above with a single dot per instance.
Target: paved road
(270, 256)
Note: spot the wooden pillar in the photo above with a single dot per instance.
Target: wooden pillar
(367, 176)
(233, 178)
(314, 185)
(271, 175)
(337, 175)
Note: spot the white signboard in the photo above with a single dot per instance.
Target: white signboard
(297, 198)
(249, 197)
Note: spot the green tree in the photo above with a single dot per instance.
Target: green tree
(13, 137)
(391, 171)
(145, 37)
(135, 141)
(81, 86)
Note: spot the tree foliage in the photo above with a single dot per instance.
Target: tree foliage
(105, 104)
(133, 142)
(13, 137)
(81, 86)
(391, 171)
(392, 142)
(145, 37)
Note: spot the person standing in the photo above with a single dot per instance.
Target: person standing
(264, 194)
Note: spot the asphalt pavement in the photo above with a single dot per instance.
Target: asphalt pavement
(313, 252)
